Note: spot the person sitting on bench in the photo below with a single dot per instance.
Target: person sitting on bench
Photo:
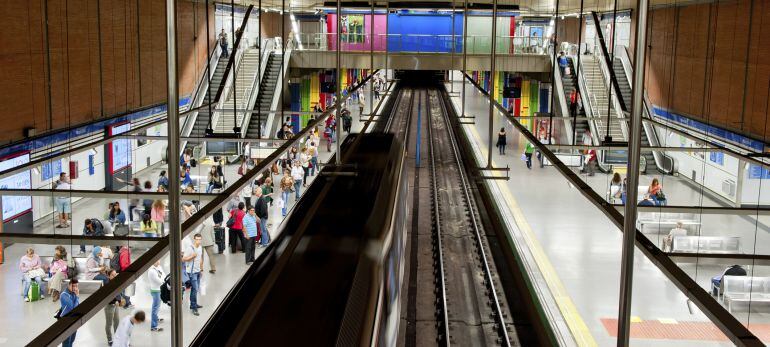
(716, 281)
(668, 241)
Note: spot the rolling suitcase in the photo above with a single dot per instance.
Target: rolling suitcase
(34, 292)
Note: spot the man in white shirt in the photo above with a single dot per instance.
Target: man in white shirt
(668, 241)
(125, 328)
(193, 266)
(155, 277)
(63, 203)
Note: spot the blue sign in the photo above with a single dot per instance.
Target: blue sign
(758, 172)
(720, 133)
(717, 157)
(51, 170)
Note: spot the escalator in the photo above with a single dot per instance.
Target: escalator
(267, 89)
(203, 117)
(570, 84)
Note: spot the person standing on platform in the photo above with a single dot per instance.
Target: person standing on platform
(111, 317)
(63, 203)
(223, 43)
(251, 232)
(287, 184)
(563, 63)
(261, 210)
(208, 242)
(235, 224)
(163, 180)
(193, 265)
(296, 174)
(126, 327)
(69, 299)
(501, 141)
(156, 277)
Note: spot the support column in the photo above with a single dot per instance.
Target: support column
(492, 85)
(371, 64)
(451, 73)
(174, 233)
(338, 156)
(634, 144)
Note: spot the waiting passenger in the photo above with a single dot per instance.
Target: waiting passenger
(304, 160)
(646, 201)
(286, 186)
(69, 300)
(91, 227)
(668, 241)
(193, 266)
(31, 270)
(296, 174)
(215, 182)
(616, 187)
(716, 281)
(94, 268)
(63, 203)
(156, 277)
(267, 190)
(158, 215)
(208, 240)
(501, 141)
(57, 272)
(251, 232)
(116, 216)
(185, 160)
(184, 177)
(149, 227)
(246, 194)
(163, 180)
(126, 327)
(235, 225)
(312, 151)
(655, 190)
(111, 318)
(260, 208)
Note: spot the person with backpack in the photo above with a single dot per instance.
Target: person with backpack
(155, 277)
(91, 227)
(193, 266)
(32, 275)
(69, 299)
(716, 281)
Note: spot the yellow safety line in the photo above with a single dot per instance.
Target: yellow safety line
(577, 326)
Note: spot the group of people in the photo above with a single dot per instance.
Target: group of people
(654, 195)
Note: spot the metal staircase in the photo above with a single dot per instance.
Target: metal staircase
(203, 116)
(264, 100)
(238, 97)
(570, 84)
(597, 93)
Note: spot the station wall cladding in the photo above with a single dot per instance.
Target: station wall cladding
(418, 31)
(709, 62)
(106, 57)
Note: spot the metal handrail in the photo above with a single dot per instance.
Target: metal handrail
(228, 89)
(561, 102)
(268, 45)
(201, 90)
(288, 47)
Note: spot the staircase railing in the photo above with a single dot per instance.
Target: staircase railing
(199, 95)
(560, 108)
(664, 162)
(288, 47)
(268, 45)
(615, 98)
(592, 113)
(232, 65)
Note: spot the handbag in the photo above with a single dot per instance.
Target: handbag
(523, 157)
(231, 221)
(36, 273)
(120, 230)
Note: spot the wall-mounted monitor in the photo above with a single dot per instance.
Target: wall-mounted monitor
(119, 154)
(15, 206)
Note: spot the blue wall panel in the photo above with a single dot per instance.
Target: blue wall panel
(417, 32)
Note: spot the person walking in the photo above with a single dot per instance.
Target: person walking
(111, 317)
(235, 225)
(528, 154)
(193, 265)
(158, 215)
(126, 327)
(296, 174)
(251, 232)
(156, 276)
(501, 141)
(563, 63)
(261, 210)
(208, 242)
(304, 159)
(312, 150)
(287, 184)
(69, 299)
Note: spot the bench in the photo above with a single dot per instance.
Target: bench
(707, 244)
(85, 285)
(665, 221)
(745, 289)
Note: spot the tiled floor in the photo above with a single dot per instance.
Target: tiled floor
(20, 322)
(583, 249)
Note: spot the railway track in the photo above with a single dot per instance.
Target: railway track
(470, 309)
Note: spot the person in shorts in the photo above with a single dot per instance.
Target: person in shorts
(63, 203)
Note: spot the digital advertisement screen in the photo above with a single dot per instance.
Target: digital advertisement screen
(14, 206)
(120, 149)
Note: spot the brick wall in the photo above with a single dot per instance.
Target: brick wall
(709, 61)
(106, 57)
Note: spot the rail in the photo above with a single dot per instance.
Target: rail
(473, 218)
(592, 113)
(201, 90)
(287, 49)
(561, 101)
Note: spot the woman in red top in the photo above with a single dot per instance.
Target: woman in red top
(236, 227)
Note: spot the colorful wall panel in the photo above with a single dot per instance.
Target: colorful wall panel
(357, 37)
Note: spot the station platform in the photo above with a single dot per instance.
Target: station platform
(573, 251)
(22, 321)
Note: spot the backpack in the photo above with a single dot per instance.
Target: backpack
(124, 258)
(165, 291)
(115, 262)
(98, 227)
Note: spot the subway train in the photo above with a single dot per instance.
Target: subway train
(333, 276)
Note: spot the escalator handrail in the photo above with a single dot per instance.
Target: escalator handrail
(231, 60)
(561, 100)
(606, 61)
(198, 96)
(267, 49)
